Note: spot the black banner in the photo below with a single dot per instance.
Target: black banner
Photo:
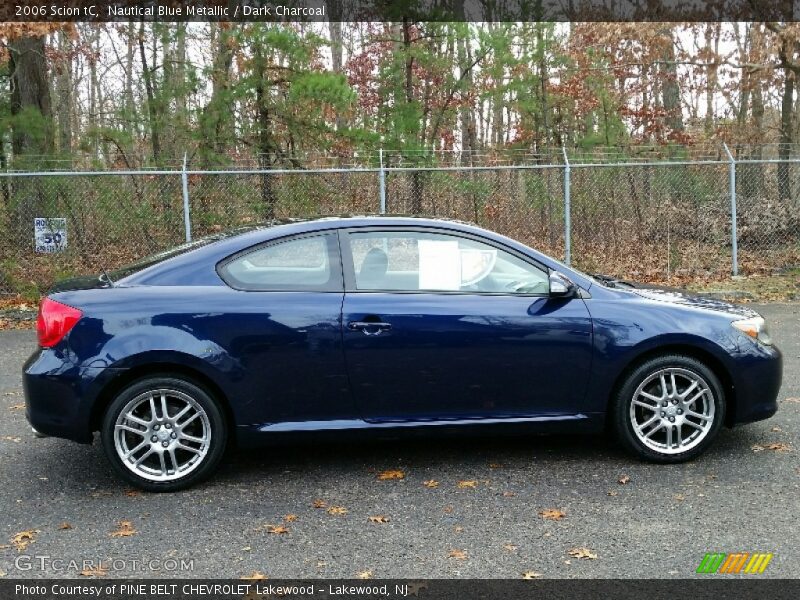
(398, 10)
(711, 588)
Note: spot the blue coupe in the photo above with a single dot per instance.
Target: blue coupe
(387, 325)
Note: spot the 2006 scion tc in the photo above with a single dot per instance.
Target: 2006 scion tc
(381, 325)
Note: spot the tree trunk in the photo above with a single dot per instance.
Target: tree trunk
(467, 108)
(266, 145)
(215, 122)
(670, 91)
(147, 76)
(335, 31)
(30, 95)
(416, 178)
(712, 49)
(64, 93)
(784, 149)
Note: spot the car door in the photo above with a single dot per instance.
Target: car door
(440, 325)
(282, 327)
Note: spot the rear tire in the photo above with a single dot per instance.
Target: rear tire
(668, 409)
(164, 434)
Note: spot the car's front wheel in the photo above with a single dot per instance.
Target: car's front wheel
(669, 409)
(163, 434)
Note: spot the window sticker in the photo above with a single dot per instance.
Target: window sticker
(439, 265)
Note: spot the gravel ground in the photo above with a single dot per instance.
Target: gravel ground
(658, 524)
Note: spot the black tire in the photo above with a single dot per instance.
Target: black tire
(621, 409)
(210, 416)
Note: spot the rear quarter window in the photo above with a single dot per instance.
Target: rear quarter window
(299, 264)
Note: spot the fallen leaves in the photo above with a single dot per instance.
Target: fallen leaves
(319, 503)
(277, 529)
(65, 525)
(16, 407)
(792, 400)
(470, 484)
(125, 530)
(23, 538)
(337, 510)
(254, 576)
(775, 447)
(583, 553)
(290, 518)
(612, 493)
(132, 493)
(16, 324)
(431, 483)
(552, 514)
(457, 554)
(624, 480)
(508, 494)
(496, 465)
(11, 438)
(379, 519)
(98, 571)
(102, 494)
(510, 547)
(364, 575)
(531, 575)
(391, 474)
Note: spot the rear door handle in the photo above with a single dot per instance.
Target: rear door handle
(369, 327)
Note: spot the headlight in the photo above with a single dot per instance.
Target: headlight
(755, 328)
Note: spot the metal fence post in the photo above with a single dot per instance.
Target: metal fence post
(187, 222)
(734, 241)
(567, 210)
(382, 183)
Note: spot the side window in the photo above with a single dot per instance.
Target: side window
(419, 261)
(299, 264)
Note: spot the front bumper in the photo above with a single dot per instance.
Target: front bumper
(756, 375)
(60, 396)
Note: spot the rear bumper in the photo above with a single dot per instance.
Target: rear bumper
(59, 396)
(757, 377)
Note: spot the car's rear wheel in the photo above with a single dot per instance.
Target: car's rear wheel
(164, 433)
(669, 409)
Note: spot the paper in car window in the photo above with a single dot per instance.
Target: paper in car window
(439, 265)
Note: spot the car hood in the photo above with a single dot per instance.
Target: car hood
(677, 297)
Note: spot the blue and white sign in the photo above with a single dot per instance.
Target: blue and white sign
(50, 235)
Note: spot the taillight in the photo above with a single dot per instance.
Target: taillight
(55, 321)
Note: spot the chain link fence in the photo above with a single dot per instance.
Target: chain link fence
(668, 221)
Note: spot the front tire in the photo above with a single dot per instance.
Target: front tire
(164, 434)
(669, 409)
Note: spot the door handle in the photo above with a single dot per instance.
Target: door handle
(369, 327)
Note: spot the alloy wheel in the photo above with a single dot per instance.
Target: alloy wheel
(162, 435)
(672, 410)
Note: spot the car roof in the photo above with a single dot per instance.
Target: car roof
(190, 265)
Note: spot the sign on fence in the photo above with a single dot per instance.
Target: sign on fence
(49, 235)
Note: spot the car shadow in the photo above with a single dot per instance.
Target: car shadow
(66, 467)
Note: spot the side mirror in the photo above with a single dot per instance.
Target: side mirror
(561, 286)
